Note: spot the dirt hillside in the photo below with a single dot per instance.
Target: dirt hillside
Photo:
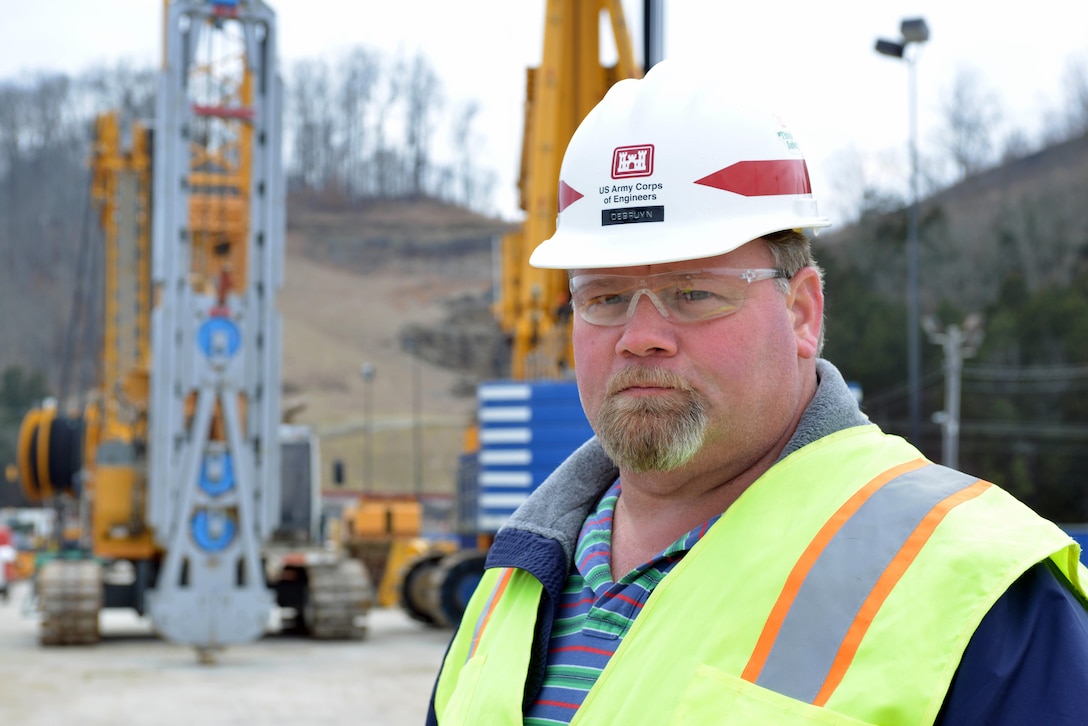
(358, 284)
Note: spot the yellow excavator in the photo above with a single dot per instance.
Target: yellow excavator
(532, 309)
(192, 502)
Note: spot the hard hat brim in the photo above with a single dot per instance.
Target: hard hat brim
(650, 246)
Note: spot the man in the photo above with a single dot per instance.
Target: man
(739, 544)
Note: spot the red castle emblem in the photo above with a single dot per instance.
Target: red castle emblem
(629, 161)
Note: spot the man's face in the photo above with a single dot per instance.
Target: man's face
(720, 393)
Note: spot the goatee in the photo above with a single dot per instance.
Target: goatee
(652, 432)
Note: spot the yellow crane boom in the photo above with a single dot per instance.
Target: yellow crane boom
(570, 80)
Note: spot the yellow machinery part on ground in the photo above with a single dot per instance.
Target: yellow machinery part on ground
(385, 533)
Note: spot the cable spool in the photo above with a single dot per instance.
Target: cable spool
(50, 454)
(65, 454)
(436, 587)
(416, 594)
(456, 579)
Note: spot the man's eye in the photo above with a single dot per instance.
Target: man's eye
(608, 299)
(695, 295)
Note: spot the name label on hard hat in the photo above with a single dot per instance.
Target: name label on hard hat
(632, 215)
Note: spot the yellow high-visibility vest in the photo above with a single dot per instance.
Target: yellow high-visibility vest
(841, 588)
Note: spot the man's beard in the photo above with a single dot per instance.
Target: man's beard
(652, 432)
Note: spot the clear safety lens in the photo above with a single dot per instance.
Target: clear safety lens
(686, 296)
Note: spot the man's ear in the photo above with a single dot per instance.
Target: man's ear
(806, 305)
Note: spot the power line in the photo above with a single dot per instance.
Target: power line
(1026, 373)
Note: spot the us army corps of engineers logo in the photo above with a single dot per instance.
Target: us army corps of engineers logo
(631, 162)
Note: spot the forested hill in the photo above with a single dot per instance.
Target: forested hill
(1011, 245)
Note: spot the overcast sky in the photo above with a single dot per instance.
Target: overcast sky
(815, 58)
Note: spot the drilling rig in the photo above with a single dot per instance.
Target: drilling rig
(193, 503)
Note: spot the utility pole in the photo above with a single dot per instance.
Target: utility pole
(958, 343)
(412, 346)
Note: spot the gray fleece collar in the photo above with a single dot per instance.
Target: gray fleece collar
(560, 505)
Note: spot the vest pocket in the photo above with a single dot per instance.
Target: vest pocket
(717, 697)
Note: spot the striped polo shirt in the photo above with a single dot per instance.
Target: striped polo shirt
(595, 613)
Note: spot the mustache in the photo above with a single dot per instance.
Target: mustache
(644, 377)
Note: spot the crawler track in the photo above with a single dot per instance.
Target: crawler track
(69, 599)
(339, 598)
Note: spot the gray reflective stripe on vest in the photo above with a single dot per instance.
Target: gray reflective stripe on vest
(489, 606)
(827, 602)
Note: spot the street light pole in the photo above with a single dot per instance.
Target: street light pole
(914, 370)
(367, 372)
(913, 30)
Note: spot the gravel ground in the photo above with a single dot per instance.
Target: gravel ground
(133, 678)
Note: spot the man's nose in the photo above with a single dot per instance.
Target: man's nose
(646, 332)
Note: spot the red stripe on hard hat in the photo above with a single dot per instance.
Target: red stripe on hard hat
(761, 178)
(567, 195)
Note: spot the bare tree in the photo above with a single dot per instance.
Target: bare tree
(1017, 145)
(359, 75)
(43, 198)
(41, 153)
(11, 124)
(311, 126)
(971, 114)
(464, 175)
(384, 160)
(369, 129)
(123, 87)
(1076, 88)
(423, 101)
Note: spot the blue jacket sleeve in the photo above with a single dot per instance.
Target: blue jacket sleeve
(1027, 661)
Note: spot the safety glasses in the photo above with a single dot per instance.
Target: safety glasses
(685, 296)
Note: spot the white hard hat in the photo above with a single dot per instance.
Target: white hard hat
(671, 167)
